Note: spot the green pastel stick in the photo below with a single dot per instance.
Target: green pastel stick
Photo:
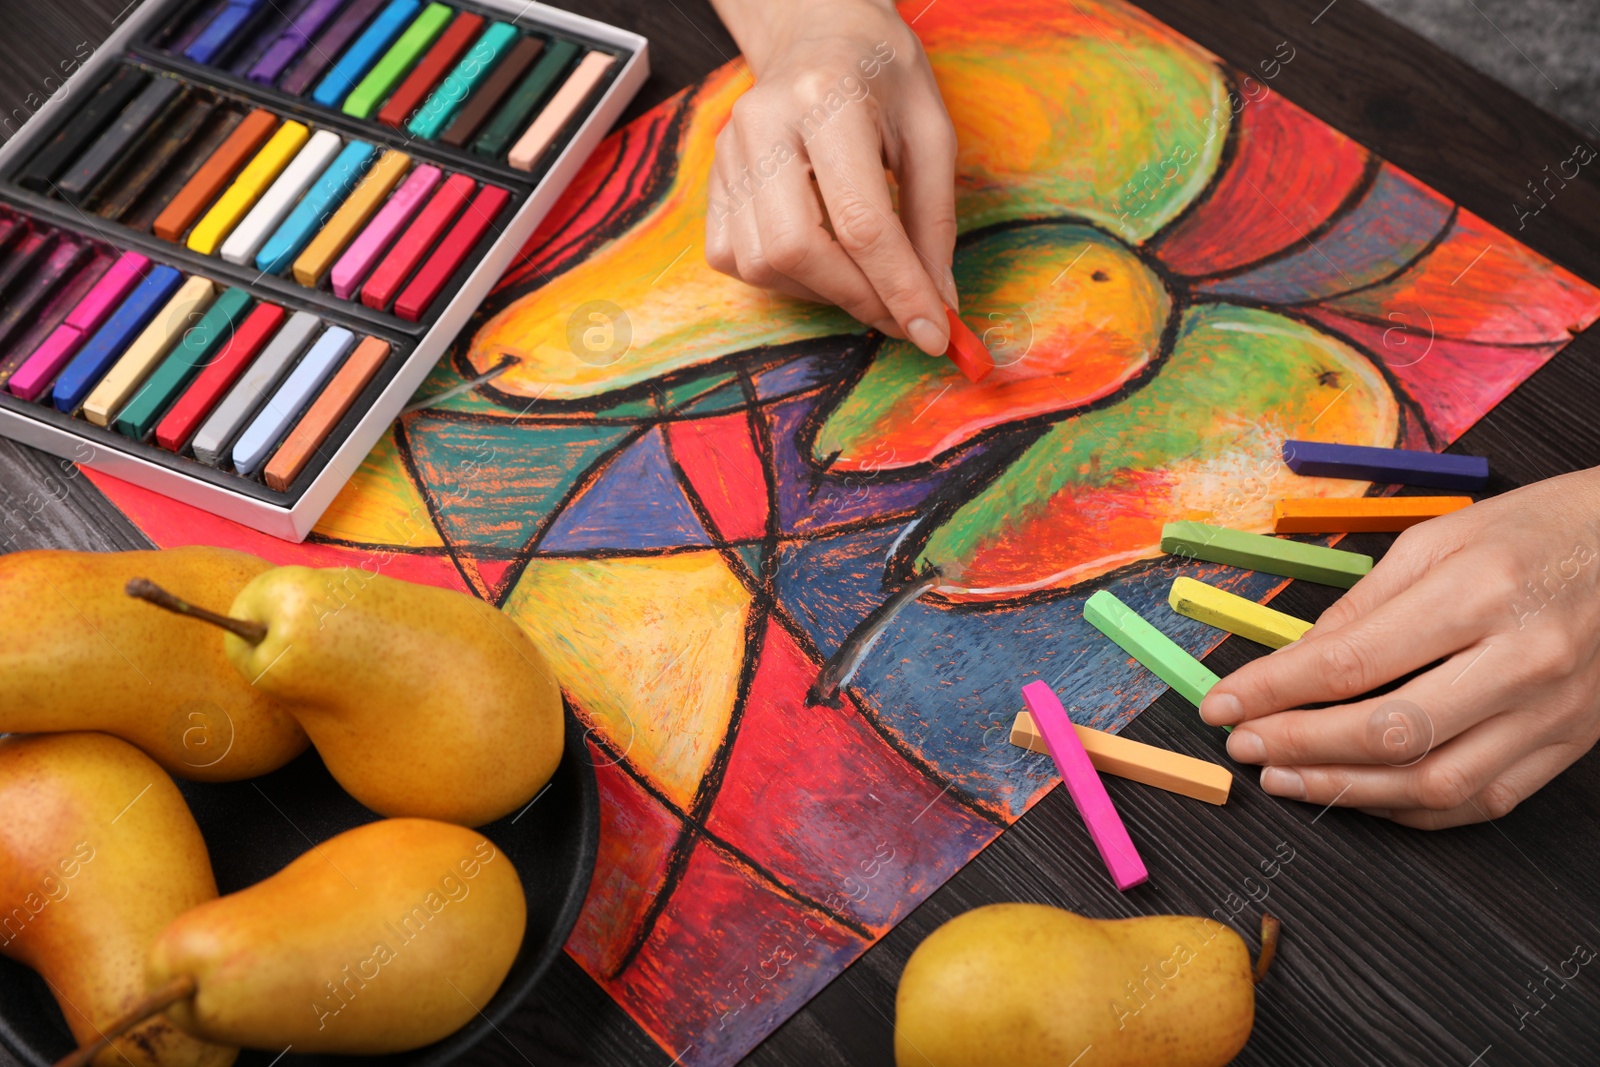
(1135, 636)
(459, 83)
(374, 89)
(200, 342)
(1270, 555)
(515, 114)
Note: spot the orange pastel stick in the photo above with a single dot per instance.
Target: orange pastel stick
(1366, 514)
(318, 422)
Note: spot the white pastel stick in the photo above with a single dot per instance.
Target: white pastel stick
(262, 436)
(280, 198)
(253, 388)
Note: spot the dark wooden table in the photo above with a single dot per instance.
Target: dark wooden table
(1400, 946)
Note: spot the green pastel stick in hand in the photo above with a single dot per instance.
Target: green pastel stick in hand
(374, 89)
(1270, 555)
(1160, 655)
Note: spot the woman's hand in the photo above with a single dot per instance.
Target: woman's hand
(798, 198)
(1498, 607)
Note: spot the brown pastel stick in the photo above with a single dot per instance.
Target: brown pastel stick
(495, 88)
(214, 175)
(140, 169)
(1137, 762)
(142, 212)
(317, 423)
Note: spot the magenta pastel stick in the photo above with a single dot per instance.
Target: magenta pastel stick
(36, 374)
(1083, 782)
(359, 259)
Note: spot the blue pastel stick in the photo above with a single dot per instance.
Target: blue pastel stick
(359, 57)
(315, 208)
(110, 340)
(1397, 466)
(221, 30)
(261, 437)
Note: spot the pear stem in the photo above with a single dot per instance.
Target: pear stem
(181, 988)
(1270, 928)
(244, 629)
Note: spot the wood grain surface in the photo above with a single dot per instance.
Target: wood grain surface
(1399, 946)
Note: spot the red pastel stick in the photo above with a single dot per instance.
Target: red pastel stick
(180, 423)
(966, 351)
(475, 221)
(1083, 782)
(430, 70)
(396, 266)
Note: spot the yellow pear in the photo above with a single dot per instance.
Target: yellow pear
(1027, 985)
(385, 938)
(422, 701)
(76, 653)
(98, 853)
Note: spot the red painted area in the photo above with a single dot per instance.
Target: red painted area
(637, 833)
(721, 463)
(817, 797)
(1290, 173)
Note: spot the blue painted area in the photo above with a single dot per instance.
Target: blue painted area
(635, 503)
(807, 372)
(829, 585)
(1392, 224)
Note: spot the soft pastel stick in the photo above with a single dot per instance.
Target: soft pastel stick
(560, 111)
(438, 268)
(316, 59)
(1259, 552)
(486, 99)
(260, 34)
(374, 88)
(104, 106)
(430, 70)
(112, 338)
(220, 31)
(1088, 791)
(458, 85)
(46, 327)
(292, 41)
(184, 34)
(373, 42)
(966, 351)
(353, 214)
(1363, 514)
(209, 233)
(260, 378)
(1159, 654)
(21, 306)
(214, 175)
(373, 241)
(196, 346)
(513, 116)
(1222, 609)
(154, 342)
(254, 229)
(415, 243)
(1401, 466)
(155, 159)
(323, 415)
(245, 343)
(25, 256)
(118, 139)
(1145, 764)
(315, 208)
(283, 409)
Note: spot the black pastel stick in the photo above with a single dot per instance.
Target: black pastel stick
(146, 112)
(20, 306)
(136, 173)
(81, 128)
(191, 156)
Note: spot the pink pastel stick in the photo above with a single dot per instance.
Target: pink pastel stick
(1083, 782)
(363, 253)
(40, 369)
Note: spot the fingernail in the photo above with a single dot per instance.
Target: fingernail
(947, 279)
(1282, 782)
(1247, 747)
(1221, 709)
(927, 336)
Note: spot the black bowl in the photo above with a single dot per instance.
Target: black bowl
(255, 828)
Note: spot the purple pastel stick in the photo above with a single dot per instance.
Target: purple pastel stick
(292, 41)
(262, 37)
(325, 49)
(380, 233)
(40, 369)
(197, 25)
(1402, 466)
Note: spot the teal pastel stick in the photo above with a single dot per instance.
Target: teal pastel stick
(359, 57)
(316, 207)
(200, 342)
(458, 85)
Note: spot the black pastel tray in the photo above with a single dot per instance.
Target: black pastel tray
(255, 828)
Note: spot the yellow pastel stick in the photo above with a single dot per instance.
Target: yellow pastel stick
(352, 215)
(247, 188)
(1137, 762)
(1222, 609)
(148, 349)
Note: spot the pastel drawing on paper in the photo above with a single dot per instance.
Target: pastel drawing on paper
(692, 492)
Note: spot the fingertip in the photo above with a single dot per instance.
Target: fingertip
(928, 335)
(1221, 709)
